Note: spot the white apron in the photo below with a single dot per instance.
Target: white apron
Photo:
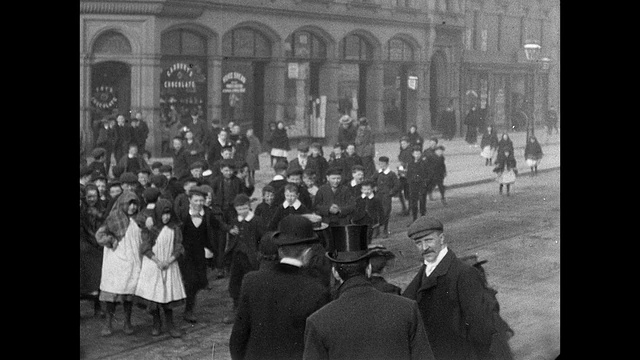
(161, 286)
(487, 152)
(121, 267)
(532, 162)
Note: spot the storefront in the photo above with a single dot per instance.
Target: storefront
(400, 86)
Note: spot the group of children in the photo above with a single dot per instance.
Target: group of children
(503, 152)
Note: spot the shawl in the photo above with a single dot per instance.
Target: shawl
(150, 236)
(118, 221)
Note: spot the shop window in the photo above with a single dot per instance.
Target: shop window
(112, 42)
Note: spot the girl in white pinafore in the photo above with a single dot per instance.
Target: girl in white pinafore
(160, 283)
(121, 237)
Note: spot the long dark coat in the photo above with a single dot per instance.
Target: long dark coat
(449, 297)
(347, 136)
(274, 305)
(533, 150)
(280, 140)
(192, 263)
(364, 323)
(325, 197)
(90, 250)
(253, 153)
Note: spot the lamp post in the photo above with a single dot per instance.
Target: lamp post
(532, 51)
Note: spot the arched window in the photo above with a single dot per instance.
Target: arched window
(355, 47)
(400, 50)
(246, 42)
(305, 45)
(183, 42)
(112, 42)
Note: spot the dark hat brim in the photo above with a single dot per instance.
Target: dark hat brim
(281, 239)
(347, 257)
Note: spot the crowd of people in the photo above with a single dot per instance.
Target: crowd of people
(302, 269)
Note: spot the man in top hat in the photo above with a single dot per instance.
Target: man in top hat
(448, 294)
(362, 323)
(275, 302)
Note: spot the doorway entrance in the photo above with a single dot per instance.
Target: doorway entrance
(243, 94)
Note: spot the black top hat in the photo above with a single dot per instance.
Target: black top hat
(294, 229)
(348, 243)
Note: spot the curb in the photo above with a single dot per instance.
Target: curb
(488, 180)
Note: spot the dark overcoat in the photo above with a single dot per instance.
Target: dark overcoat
(343, 197)
(274, 305)
(448, 298)
(364, 323)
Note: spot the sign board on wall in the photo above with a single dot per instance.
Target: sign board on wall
(412, 82)
(234, 82)
(293, 70)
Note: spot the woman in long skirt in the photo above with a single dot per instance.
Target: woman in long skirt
(160, 283)
(489, 144)
(121, 237)
(506, 170)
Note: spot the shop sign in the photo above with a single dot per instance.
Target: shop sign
(234, 82)
(180, 76)
(104, 97)
(293, 70)
(412, 82)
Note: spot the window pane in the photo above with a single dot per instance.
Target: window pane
(318, 50)
(170, 43)
(408, 52)
(112, 43)
(303, 44)
(395, 50)
(193, 44)
(263, 47)
(352, 48)
(243, 42)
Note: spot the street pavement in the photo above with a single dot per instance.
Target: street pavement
(465, 168)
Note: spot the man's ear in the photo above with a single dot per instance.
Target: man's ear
(335, 274)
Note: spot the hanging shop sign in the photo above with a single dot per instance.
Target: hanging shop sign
(104, 97)
(180, 76)
(412, 82)
(234, 82)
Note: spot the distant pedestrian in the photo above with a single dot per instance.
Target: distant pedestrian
(92, 216)
(337, 160)
(309, 178)
(302, 158)
(268, 138)
(552, 120)
(405, 158)
(533, 154)
(438, 170)
(160, 283)
(448, 122)
(350, 160)
(363, 323)
(414, 138)
(366, 146)
(253, 152)
(107, 140)
(280, 143)
(318, 162)
(334, 201)
(368, 209)
(347, 131)
(417, 179)
(240, 143)
(489, 145)
(267, 208)
(194, 150)
(133, 161)
(98, 165)
(139, 131)
(472, 120)
(123, 137)
(504, 144)
(214, 153)
(506, 170)
(387, 185)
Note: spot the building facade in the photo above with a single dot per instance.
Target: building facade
(304, 62)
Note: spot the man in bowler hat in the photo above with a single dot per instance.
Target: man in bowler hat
(448, 292)
(275, 302)
(363, 323)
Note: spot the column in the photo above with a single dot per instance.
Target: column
(86, 132)
(214, 91)
(149, 101)
(274, 100)
(423, 115)
(329, 88)
(375, 96)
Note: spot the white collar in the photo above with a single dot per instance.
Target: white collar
(248, 218)
(151, 206)
(193, 212)
(278, 177)
(296, 204)
(223, 143)
(353, 182)
(431, 266)
(291, 261)
(370, 196)
(386, 171)
(130, 156)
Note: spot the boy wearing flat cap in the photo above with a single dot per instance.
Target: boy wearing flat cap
(334, 201)
(98, 165)
(362, 323)
(275, 302)
(447, 291)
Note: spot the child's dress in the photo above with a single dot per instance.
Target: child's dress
(506, 171)
(161, 286)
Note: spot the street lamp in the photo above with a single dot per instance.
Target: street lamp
(532, 52)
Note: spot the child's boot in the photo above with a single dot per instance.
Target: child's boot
(171, 328)
(127, 328)
(108, 328)
(157, 323)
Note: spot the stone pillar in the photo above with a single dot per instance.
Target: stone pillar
(274, 100)
(86, 132)
(150, 71)
(375, 96)
(423, 115)
(329, 88)
(214, 91)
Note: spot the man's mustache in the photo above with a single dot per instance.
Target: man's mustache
(427, 252)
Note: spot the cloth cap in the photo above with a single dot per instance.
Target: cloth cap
(146, 171)
(151, 195)
(156, 165)
(241, 199)
(86, 171)
(268, 188)
(295, 171)
(166, 168)
(345, 119)
(334, 171)
(128, 178)
(303, 147)
(294, 229)
(380, 251)
(198, 190)
(280, 165)
(423, 226)
(196, 164)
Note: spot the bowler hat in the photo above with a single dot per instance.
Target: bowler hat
(423, 226)
(345, 119)
(348, 243)
(294, 229)
(316, 220)
(380, 250)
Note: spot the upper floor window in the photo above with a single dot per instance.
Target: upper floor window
(112, 42)
(400, 50)
(246, 42)
(305, 45)
(183, 42)
(356, 48)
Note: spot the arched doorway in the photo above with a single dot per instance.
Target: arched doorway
(246, 52)
(400, 86)
(437, 87)
(357, 54)
(110, 84)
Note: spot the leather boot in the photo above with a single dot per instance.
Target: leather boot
(173, 331)
(127, 328)
(157, 323)
(108, 324)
